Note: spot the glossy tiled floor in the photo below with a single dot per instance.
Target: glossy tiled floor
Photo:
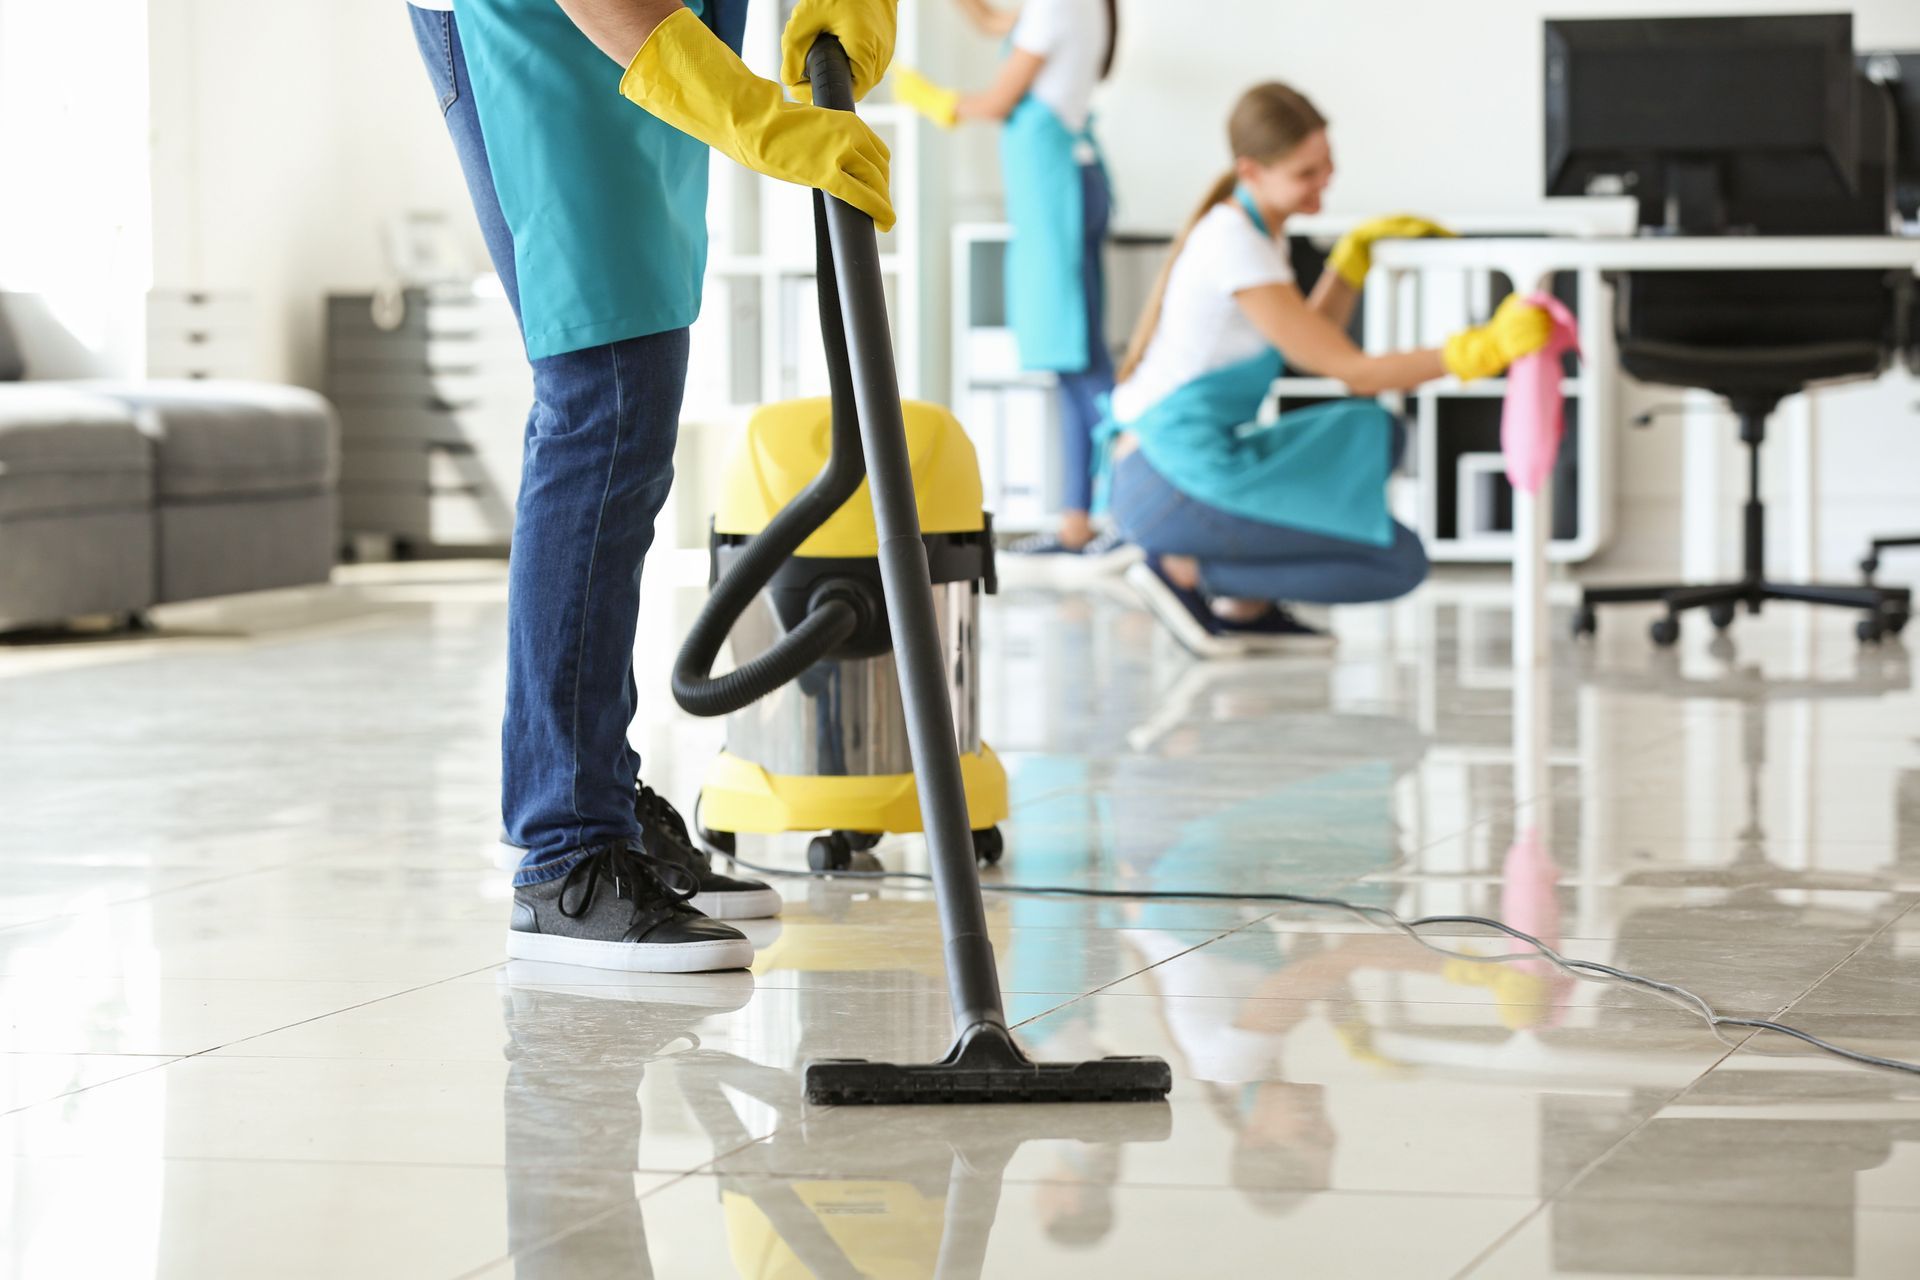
(256, 1021)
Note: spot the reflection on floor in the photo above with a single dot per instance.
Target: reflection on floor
(257, 1022)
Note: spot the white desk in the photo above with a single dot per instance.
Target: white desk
(1530, 262)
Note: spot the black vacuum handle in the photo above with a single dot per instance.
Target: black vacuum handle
(973, 983)
(830, 624)
(830, 73)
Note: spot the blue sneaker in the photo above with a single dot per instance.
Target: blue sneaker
(1186, 613)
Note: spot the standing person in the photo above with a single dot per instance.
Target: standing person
(1059, 202)
(583, 128)
(1239, 517)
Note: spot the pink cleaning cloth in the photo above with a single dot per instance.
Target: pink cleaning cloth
(1534, 416)
(1530, 902)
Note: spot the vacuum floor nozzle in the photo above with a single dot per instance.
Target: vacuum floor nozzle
(985, 1066)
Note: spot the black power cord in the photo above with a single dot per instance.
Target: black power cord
(1590, 970)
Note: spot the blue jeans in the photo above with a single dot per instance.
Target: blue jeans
(598, 463)
(1253, 560)
(1080, 392)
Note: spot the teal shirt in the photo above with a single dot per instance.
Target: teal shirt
(607, 204)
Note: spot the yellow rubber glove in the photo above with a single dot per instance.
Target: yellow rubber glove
(937, 103)
(1518, 328)
(1353, 256)
(1519, 995)
(865, 28)
(685, 75)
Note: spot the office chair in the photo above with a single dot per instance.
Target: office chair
(1871, 565)
(1755, 339)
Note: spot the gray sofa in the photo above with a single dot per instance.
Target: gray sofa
(116, 496)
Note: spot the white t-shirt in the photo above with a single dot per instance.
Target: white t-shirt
(1072, 36)
(1201, 327)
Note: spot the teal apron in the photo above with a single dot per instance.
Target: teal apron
(1045, 284)
(1322, 469)
(607, 205)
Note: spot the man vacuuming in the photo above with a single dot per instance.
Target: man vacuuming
(589, 182)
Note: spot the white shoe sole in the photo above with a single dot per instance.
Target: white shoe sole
(1062, 572)
(1186, 628)
(751, 904)
(747, 904)
(1289, 644)
(631, 957)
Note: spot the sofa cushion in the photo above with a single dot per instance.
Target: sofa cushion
(64, 450)
(13, 364)
(233, 439)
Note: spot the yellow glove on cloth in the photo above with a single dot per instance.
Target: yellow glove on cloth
(1518, 328)
(1353, 256)
(685, 75)
(938, 104)
(865, 28)
(1520, 996)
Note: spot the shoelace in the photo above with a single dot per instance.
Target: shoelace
(653, 809)
(628, 870)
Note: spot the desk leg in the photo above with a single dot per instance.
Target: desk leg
(1532, 519)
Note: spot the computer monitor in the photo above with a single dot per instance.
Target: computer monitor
(1897, 77)
(1716, 125)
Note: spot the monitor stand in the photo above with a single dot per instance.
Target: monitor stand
(1695, 205)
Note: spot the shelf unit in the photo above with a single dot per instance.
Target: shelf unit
(1012, 415)
(758, 337)
(1454, 491)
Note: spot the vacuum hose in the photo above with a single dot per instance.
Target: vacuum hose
(832, 616)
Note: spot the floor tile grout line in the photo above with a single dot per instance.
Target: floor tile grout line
(149, 897)
(1559, 1193)
(1500, 1241)
(1108, 985)
(165, 1060)
(176, 1059)
(1780, 1014)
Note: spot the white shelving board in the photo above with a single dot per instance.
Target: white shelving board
(758, 337)
(1436, 303)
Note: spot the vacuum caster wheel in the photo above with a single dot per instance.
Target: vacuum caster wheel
(1870, 629)
(859, 841)
(1585, 622)
(1721, 615)
(830, 852)
(1665, 632)
(989, 845)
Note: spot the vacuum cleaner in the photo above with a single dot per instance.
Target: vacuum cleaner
(828, 615)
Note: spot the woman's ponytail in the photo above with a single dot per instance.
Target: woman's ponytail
(1267, 124)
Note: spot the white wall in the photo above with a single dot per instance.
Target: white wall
(1436, 107)
(1433, 105)
(73, 216)
(285, 135)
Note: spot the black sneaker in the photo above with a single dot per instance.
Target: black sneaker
(1279, 631)
(1186, 613)
(617, 908)
(665, 836)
